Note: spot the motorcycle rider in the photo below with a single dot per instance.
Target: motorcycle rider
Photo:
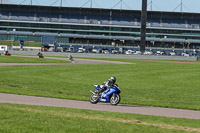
(109, 83)
(70, 57)
(7, 53)
(40, 55)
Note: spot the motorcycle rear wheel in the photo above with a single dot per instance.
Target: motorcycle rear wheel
(94, 99)
(115, 99)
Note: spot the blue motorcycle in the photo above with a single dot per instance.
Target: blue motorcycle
(109, 95)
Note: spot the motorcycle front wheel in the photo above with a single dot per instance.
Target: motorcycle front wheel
(94, 99)
(115, 99)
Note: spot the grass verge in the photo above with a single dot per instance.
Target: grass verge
(14, 59)
(144, 83)
(26, 118)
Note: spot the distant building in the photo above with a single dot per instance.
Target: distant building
(99, 26)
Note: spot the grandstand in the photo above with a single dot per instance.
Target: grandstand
(99, 26)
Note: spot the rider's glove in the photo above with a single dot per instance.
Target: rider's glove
(101, 86)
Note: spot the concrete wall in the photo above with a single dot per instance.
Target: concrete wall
(157, 57)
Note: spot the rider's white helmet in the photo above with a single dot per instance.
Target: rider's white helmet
(112, 79)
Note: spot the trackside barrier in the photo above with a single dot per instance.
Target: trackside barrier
(198, 58)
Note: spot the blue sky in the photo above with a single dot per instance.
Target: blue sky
(158, 5)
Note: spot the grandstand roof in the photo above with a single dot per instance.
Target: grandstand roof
(82, 8)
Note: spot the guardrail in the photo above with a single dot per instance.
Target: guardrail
(26, 48)
(198, 58)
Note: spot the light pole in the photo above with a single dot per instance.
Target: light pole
(143, 26)
(61, 3)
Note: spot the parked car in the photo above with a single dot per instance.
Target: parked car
(105, 52)
(159, 53)
(94, 50)
(185, 54)
(70, 49)
(148, 52)
(137, 52)
(172, 53)
(59, 49)
(114, 51)
(129, 52)
(81, 50)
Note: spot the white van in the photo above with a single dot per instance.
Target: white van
(5, 48)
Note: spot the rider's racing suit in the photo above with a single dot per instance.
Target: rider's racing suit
(106, 84)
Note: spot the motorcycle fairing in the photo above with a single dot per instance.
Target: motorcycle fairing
(105, 96)
(97, 87)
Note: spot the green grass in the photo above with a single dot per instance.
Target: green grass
(34, 119)
(17, 43)
(144, 83)
(14, 59)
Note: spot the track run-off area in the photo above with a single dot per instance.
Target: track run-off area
(145, 110)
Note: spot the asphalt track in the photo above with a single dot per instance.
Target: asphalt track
(76, 61)
(145, 110)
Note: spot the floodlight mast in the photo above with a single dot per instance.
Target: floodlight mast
(91, 4)
(181, 6)
(143, 26)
